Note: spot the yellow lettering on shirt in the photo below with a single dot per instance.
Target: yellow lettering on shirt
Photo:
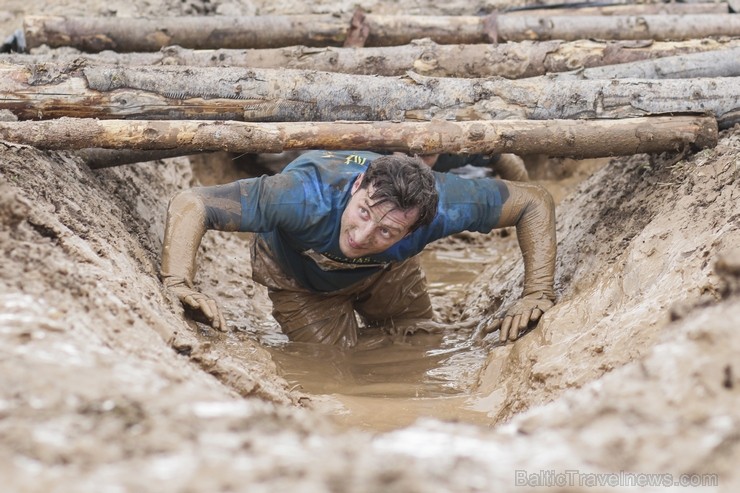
(355, 159)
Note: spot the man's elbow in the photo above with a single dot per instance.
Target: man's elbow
(544, 204)
(536, 200)
(187, 203)
(541, 195)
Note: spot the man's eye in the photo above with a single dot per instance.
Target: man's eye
(385, 232)
(363, 212)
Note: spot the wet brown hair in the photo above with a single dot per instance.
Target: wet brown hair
(406, 182)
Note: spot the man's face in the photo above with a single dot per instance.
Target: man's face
(366, 230)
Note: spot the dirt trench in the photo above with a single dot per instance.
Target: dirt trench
(634, 370)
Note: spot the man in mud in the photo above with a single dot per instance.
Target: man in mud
(338, 234)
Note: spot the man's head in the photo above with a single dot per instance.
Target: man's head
(395, 196)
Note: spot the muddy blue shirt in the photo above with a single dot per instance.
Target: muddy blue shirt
(298, 213)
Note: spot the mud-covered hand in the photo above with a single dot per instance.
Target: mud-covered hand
(526, 312)
(197, 302)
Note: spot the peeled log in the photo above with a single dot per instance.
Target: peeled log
(511, 60)
(120, 34)
(193, 93)
(629, 9)
(656, 27)
(573, 138)
(722, 63)
(432, 7)
(97, 158)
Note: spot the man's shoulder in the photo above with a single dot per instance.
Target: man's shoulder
(336, 161)
(461, 188)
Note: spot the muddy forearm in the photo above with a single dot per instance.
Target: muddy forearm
(184, 229)
(531, 209)
(189, 215)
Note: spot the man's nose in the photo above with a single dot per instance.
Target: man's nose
(364, 233)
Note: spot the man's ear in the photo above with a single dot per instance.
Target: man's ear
(357, 183)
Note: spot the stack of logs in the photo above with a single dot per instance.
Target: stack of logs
(661, 77)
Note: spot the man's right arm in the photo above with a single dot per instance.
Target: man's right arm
(189, 215)
(531, 209)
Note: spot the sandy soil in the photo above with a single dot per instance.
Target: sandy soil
(107, 387)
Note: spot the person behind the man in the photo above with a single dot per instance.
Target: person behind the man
(506, 166)
(338, 233)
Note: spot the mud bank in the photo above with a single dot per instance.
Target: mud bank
(638, 242)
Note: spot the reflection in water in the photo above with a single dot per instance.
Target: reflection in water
(379, 366)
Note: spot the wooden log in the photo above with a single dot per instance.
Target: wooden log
(722, 63)
(121, 34)
(510, 60)
(95, 34)
(432, 7)
(51, 91)
(656, 27)
(626, 9)
(573, 138)
(482, 7)
(140, 34)
(97, 158)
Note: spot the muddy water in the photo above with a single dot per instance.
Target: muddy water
(387, 382)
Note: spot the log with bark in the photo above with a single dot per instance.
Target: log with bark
(510, 60)
(141, 34)
(572, 138)
(51, 91)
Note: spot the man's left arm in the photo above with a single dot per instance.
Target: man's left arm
(531, 209)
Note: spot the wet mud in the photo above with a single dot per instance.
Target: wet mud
(105, 382)
(106, 386)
